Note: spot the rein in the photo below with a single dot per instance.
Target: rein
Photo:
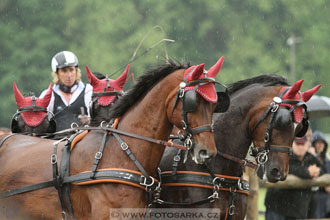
(116, 131)
(244, 162)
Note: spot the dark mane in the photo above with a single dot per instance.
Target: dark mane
(144, 83)
(266, 80)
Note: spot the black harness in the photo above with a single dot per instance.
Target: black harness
(189, 104)
(62, 180)
(261, 153)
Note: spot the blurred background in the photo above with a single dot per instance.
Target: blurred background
(286, 37)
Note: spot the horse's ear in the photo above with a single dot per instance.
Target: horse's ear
(91, 78)
(197, 72)
(44, 101)
(121, 80)
(20, 100)
(214, 70)
(309, 93)
(294, 89)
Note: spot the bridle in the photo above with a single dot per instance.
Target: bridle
(34, 108)
(97, 95)
(188, 100)
(261, 153)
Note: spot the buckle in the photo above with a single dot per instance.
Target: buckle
(176, 158)
(239, 184)
(53, 159)
(143, 181)
(124, 146)
(98, 155)
(217, 181)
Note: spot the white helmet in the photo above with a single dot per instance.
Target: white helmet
(64, 59)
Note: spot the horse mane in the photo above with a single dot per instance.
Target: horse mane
(143, 85)
(266, 80)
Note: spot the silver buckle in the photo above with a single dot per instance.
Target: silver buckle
(144, 181)
(124, 146)
(53, 159)
(98, 155)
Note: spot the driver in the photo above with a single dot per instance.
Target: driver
(70, 98)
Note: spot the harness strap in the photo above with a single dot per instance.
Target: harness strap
(57, 179)
(99, 154)
(65, 172)
(112, 175)
(199, 202)
(203, 180)
(285, 149)
(202, 128)
(3, 140)
(125, 148)
(107, 93)
(176, 161)
(26, 189)
(115, 131)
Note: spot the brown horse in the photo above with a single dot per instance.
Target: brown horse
(248, 120)
(32, 116)
(157, 102)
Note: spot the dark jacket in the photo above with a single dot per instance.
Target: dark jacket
(319, 202)
(293, 203)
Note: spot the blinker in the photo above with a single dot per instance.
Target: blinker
(189, 101)
(223, 102)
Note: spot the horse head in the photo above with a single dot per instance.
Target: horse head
(279, 122)
(32, 116)
(105, 93)
(192, 108)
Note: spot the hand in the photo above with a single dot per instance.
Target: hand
(314, 171)
(327, 189)
(84, 119)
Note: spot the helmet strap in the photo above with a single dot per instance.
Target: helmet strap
(66, 89)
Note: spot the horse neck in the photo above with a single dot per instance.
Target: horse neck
(232, 133)
(148, 117)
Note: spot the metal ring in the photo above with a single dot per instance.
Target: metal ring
(231, 210)
(262, 157)
(74, 125)
(275, 107)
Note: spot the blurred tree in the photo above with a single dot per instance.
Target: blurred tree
(30, 35)
(251, 34)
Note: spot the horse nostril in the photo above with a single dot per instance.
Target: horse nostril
(203, 154)
(276, 173)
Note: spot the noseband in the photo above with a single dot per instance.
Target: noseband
(261, 153)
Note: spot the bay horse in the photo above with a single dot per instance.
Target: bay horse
(32, 116)
(249, 119)
(149, 109)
